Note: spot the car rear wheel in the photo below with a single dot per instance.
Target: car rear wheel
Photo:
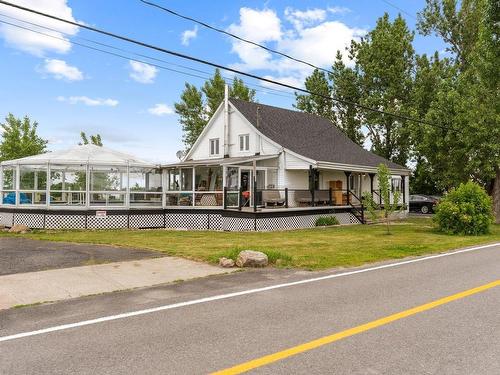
(424, 209)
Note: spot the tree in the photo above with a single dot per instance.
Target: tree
(20, 138)
(341, 84)
(346, 87)
(197, 106)
(458, 27)
(94, 139)
(467, 101)
(386, 208)
(318, 83)
(385, 60)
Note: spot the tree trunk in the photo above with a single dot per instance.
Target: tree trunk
(495, 193)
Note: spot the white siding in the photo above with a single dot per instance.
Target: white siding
(295, 179)
(216, 130)
(293, 162)
(238, 125)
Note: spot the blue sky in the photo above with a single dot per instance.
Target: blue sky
(68, 88)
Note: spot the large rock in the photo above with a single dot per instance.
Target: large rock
(19, 228)
(226, 262)
(251, 258)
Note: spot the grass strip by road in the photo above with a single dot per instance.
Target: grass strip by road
(317, 248)
(268, 359)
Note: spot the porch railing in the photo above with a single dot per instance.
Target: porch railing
(289, 198)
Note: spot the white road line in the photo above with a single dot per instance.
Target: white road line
(231, 295)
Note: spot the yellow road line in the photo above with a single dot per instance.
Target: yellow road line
(259, 362)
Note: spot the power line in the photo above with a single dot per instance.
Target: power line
(233, 35)
(216, 65)
(258, 88)
(400, 9)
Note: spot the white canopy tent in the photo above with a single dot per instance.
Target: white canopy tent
(85, 176)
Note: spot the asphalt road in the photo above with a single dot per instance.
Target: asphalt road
(19, 255)
(460, 336)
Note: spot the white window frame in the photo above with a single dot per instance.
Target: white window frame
(215, 142)
(244, 142)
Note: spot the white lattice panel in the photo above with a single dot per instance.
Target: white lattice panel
(195, 221)
(146, 221)
(34, 221)
(62, 221)
(107, 222)
(238, 224)
(215, 222)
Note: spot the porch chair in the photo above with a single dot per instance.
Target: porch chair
(322, 197)
(303, 197)
(272, 198)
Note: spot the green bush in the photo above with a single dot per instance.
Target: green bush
(465, 210)
(326, 220)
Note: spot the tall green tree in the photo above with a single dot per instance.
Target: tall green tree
(347, 89)
(197, 106)
(93, 139)
(456, 25)
(341, 84)
(20, 138)
(385, 60)
(466, 103)
(318, 83)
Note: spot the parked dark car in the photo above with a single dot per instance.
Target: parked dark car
(422, 203)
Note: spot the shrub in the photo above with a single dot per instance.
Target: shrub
(326, 220)
(465, 210)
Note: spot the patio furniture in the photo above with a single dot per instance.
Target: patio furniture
(303, 197)
(322, 197)
(272, 198)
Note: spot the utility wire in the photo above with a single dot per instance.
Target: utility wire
(216, 65)
(233, 35)
(400, 9)
(258, 88)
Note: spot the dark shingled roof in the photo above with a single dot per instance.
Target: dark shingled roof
(308, 135)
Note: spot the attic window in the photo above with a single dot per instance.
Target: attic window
(244, 142)
(214, 146)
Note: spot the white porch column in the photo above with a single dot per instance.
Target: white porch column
(194, 186)
(127, 189)
(87, 185)
(17, 185)
(47, 187)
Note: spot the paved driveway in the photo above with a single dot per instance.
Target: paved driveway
(25, 255)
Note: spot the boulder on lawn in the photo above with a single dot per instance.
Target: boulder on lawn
(251, 258)
(19, 228)
(226, 262)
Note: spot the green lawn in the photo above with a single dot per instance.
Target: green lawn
(317, 248)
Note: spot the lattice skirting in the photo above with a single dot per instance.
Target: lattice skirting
(190, 220)
(300, 222)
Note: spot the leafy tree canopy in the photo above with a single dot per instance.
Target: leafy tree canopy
(20, 138)
(197, 106)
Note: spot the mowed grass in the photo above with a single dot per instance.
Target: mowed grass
(318, 248)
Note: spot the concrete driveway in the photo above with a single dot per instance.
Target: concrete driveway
(19, 255)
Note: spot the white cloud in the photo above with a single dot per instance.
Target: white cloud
(187, 35)
(301, 18)
(89, 101)
(161, 109)
(143, 73)
(338, 10)
(33, 43)
(59, 69)
(307, 35)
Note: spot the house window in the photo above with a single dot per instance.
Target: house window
(214, 146)
(396, 184)
(244, 142)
